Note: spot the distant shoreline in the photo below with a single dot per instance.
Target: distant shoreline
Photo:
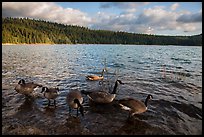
(47, 44)
(26, 44)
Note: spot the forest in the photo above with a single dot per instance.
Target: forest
(32, 31)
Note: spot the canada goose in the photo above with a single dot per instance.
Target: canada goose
(26, 88)
(102, 96)
(74, 100)
(95, 77)
(134, 106)
(50, 93)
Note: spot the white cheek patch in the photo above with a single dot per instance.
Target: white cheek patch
(125, 107)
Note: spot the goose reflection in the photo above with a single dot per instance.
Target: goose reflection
(49, 110)
(27, 105)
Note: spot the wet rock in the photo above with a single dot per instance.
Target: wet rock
(23, 130)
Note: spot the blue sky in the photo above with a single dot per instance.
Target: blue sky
(92, 7)
(160, 18)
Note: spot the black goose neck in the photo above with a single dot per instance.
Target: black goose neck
(146, 100)
(115, 87)
(102, 73)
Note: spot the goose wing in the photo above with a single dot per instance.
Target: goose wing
(53, 93)
(133, 104)
(101, 97)
(32, 85)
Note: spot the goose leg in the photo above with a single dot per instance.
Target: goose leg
(69, 109)
(129, 116)
(54, 102)
(48, 102)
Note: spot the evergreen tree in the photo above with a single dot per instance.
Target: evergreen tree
(25, 30)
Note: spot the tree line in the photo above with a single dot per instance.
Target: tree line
(30, 31)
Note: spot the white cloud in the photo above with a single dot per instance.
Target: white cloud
(46, 11)
(157, 18)
(174, 6)
(126, 6)
(163, 20)
(190, 17)
(154, 20)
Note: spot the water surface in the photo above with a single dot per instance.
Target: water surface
(172, 74)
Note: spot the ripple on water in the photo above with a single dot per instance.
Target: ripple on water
(176, 107)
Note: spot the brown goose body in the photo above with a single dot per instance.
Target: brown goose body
(95, 77)
(26, 88)
(74, 100)
(134, 106)
(50, 93)
(102, 96)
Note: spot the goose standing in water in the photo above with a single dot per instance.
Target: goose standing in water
(134, 106)
(95, 77)
(27, 89)
(50, 93)
(102, 96)
(74, 100)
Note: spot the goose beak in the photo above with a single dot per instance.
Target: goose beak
(120, 82)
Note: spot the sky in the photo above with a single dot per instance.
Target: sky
(157, 18)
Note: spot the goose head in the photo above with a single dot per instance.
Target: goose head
(81, 108)
(21, 82)
(44, 89)
(149, 97)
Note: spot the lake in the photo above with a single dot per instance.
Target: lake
(171, 74)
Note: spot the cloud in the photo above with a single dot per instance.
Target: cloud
(46, 11)
(127, 6)
(190, 18)
(157, 18)
(123, 4)
(174, 6)
(152, 20)
(160, 20)
(113, 22)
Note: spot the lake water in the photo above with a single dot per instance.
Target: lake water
(172, 74)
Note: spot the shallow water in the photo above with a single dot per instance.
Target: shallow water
(172, 74)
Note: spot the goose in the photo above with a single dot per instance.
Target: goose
(50, 93)
(74, 100)
(95, 77)
(103, 97)
(26, 88)
(134, 106)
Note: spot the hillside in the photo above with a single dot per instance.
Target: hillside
(28, 31)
